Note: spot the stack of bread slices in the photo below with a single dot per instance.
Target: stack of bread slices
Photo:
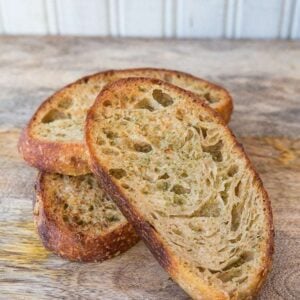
(146, 153)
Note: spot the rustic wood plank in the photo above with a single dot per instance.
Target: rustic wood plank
(265, 86)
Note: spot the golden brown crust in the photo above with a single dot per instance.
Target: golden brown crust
(74, 245)
(70, 158)
(64, 158)
(195, 287)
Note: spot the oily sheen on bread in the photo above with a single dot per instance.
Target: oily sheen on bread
(180, 177)
(53, 139)
(76, 220)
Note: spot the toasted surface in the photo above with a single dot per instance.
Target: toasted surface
(76, 220)
(178, 174)
(53, 139)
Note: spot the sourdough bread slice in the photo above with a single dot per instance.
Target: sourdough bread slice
(53, 139)
(76, 220)
(178, 174)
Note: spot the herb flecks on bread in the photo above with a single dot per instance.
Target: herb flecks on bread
(53, 139)
(178, 174)
(76, 219)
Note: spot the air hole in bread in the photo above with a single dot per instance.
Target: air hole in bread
(112, 218)
(197, 129)
(167, 78)
(215, 151)
(233, 170)
(207, 182)
(201, 269)
(65, 103)
(163, 185)
(195, 226)
(177, 231)
(236, 239)
(224, 196)
(237, 189)
(107, 103)
(100, 141)
(142, 89)
(110, 134)
(204, 132)
(229, 275)
(184, 174)
(241, 280)
(210, 209)
(179, 114)
(142, 147)
(178, 200)
(153, 216)
(235, 217)
(180, 190)
(189, 135)
(96, 87)
(146, 189)
(125, 186)
(246, 256)
(90, 182)
(117, 173)
(161, 213)
(76, 219)
(54, 115)
(164, 176)
(209, 98)
(145, 104)
(162, 98)
(156, 170)
(110, 151)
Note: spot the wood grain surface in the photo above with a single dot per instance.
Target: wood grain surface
(264, 79)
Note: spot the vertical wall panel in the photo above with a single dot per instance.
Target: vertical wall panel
(285, 18)
(141, 18)
(113, 15)
(201, 18)
(230, 18)
(261, 18)
(51, 16)
(79, 17)
(1, 20)
(169, 16)
(295, 26)
(24, 16)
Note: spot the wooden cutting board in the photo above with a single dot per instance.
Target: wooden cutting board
(264, 79)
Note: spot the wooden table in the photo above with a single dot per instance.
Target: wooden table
(264, 79)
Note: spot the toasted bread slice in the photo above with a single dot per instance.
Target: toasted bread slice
(53, 139)
(76, 220)
(178, 174)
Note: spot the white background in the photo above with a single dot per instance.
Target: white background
(153, 18)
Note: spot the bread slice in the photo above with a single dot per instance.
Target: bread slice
(53, 139)
(178, 174)
(77, 221)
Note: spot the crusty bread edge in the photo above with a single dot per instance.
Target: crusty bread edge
(53, 157)
(194, 286)
(72, 245)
